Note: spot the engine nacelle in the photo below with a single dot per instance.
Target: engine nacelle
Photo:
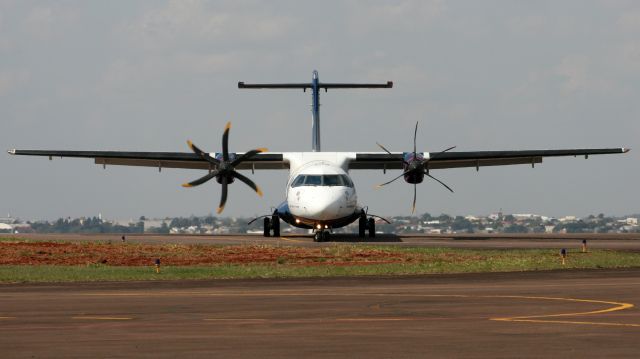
(414, 164)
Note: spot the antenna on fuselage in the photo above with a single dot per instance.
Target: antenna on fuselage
(315, 85)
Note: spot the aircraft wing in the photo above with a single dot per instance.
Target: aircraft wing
(477, 159)
(189, 160)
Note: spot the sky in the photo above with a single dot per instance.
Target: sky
(480, 75)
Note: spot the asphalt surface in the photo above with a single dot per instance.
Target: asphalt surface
(576, 314)
(496, 241)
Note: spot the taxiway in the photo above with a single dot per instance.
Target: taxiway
(536, 314)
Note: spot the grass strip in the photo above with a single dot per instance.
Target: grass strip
(426, 261)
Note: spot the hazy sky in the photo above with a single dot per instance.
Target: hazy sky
(482, 75)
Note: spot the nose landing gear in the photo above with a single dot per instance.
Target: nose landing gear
(321, 236)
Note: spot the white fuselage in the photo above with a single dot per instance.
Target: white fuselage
(319, 189)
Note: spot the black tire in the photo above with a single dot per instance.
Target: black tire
(371, 223)
(326, 235)
(267, 227)
(362, 226)
(275, 224)
(317, 237)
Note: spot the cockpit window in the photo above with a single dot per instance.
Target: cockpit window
(298, 181)
(332, 180)
(322, 180)
(313, 180)
(347, 181)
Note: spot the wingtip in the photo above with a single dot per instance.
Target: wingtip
(11, 152)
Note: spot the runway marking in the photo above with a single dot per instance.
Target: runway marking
(292, 240)
(100, 318)
(617, 306)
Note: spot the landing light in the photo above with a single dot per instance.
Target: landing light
(297, 221)
(319, 226)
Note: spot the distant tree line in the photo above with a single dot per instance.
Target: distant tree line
(84, 225)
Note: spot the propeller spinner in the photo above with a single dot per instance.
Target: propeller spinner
(415, 168)
(225, 172)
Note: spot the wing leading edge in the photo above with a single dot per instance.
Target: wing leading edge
(477, 159)
(186, 160)
(362, 160)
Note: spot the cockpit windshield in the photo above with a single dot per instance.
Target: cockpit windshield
(322, 180)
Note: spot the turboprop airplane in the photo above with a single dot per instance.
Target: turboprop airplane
(320, 194)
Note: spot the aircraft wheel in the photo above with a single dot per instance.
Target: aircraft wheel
(317, 237)
(326, 235)
(372, 227)
(362, 225)
(275, 223)
(267, 227)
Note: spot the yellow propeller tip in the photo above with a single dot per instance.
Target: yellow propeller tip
(186, 185)
(190, 144)
(227, 126)
(259, 191)
(219, 210)
(262, 149)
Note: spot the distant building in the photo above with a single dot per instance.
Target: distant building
(7, 220)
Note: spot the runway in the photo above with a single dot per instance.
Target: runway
(629, 241)
(552, 314)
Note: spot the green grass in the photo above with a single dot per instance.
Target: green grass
(425, 261)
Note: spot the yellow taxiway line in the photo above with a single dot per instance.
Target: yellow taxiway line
(617, 306)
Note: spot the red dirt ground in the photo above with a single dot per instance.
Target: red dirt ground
(61, 253)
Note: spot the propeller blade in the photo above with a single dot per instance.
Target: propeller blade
(441, 152)
(223, 197)
(442, 183)
(247, 156)
(202, 154)
(225, 142)
(413, 207)
(384, 149)
(201, 180)
(389, 152)
(415, 135)
(426, 162)
(386, 183)
(248, 182)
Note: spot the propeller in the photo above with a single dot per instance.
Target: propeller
(416, 165)
(224, 172)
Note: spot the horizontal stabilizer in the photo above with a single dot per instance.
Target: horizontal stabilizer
(242, 85)
(322, 85)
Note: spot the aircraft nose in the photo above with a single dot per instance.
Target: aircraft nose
(324, 206)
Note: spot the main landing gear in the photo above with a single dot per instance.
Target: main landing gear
(365, 224)
(270, 224)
